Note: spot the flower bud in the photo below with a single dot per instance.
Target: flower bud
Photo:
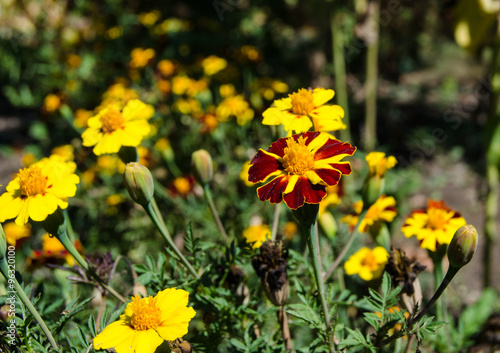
(203, 167)
(463, 246)
(373, 188)
(139, 183)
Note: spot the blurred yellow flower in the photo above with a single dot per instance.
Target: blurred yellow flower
(149, 18)
(213, 64)
(434, 226)
(111, 128)
(352, 219)
(140, 57)
(382, 210)
(115, 199)
(244, 174)
(227, 90)
(257, 235)
(368, 264)
(180, 84)
(379, 164)
(189, 106)
(302, 109)
(82, 116)
(182, 185)
(234, 106)
(164, 86)
(38, 191)
(114, 32)
(251, 53)
(166, 67)
(14, 232)
(147, 322)
(110, 165)
(28, 159)
(118, 95)
(51, 103)
(289, 230)
(53, 249)
(73, 61)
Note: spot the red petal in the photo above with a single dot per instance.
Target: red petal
(309, 136)
(278, 147)
(333, 148)
(273, 191)
(263, 165)
(342, 168)
(331, 177)
(304, 191)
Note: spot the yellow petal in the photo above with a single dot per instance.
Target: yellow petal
(321, 96)
(272, 116)
(116, 335)
(135, 109)
(110, 143)
(380, 254)
(145, 341)
(133, 132)
(283, 104)
(299, 123)
(292, 181)
(91, 137)
(40, 206)
(10, 207)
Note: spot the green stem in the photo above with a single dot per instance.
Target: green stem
(371, 77)
(346, 248)
(312, 238)
(4, 268)
(153, 212)
(491, 209)
(276, 218)
(213, 209)
(172, 166)
(336, 21)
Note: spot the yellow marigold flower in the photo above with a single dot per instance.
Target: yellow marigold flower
(166, 67)
(38, 191)
(197, 87)
(382, 210)
(368, 264)
(180, 84)
(234, 106)
(379, 164)
(244, 174)
(82, 116)
(289, 230)
(213, 64)
(227, 90)
(111, 128)
(14, 232)
(115, 199)
(302, 109)
(332, 199)
(110, 165)
(147, 322)
(73, 61)
(189, 106)
(28, 159)
(140, 57)
(51, 103)
(118, 95)
(257, 235)
(149, 18)
(434, 226)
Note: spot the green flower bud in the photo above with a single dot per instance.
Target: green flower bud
(463, 246)
(139, 183)
(373, 187)
(203, 167)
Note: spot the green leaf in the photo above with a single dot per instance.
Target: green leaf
(238, 344)
(306, 313)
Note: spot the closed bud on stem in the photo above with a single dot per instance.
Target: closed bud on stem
(203, 167)
(463, 246)
(139, 183)
(373, 187)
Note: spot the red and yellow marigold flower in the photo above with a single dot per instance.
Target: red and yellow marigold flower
(434, 226)
(38, 191)
(53, 252)
(147, 322)
(300, 168)
(368, 264)
(111, 128)
(302, 109)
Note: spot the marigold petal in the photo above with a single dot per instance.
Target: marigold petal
(365, 273)
(381, 255)
(110, 143)
(135, 109)
(283, 104)
(264, 165)
(23, 215)
(10, 206)
(40, 206)
(328, 176)
(321, 96)
(115, 334)
(145, 342)
(91, 137)
(133, 132)
(299, 123)
(292, 181)
(333, 151)
(170, 300)
(95, 121)
(66, 187)
(272, 116)
(304, 191)
(273, 191)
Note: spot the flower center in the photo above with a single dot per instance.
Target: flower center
(373, 213)
(370, 261)
(302, 102)
(32, 181)
(438, 218)
(111, 120)
(297, 159)
(146, 315)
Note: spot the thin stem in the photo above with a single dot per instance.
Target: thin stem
(345, 249)
(285, 329)
(4, 268)
(153, 213)
(371, 76)
(276, 218)
(312, 238)
(213, 209)
(336, 20)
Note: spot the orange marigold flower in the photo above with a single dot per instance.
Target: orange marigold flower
(301, 167)
(434, 226)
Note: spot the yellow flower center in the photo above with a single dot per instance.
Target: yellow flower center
(297, 159)
(369, 261)
(111, 120)
(302, 102)
(438, 218)
(32, 181)
(146, 315)
(373, 213)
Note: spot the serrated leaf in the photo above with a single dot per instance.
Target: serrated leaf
(238, 344)
(91, 324)
(386, 284)
(305, 313)
(82, 337)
